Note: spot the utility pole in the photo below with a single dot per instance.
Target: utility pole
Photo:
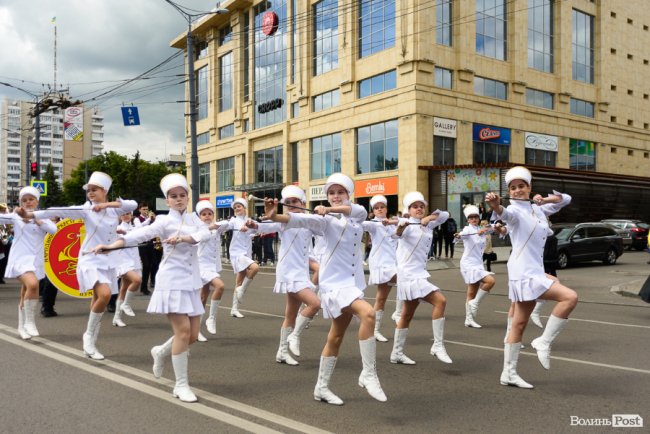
(37, 143)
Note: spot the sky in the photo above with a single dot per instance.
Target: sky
(99, 43)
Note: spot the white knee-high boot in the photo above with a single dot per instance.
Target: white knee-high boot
(126, 305)
(378, 316)
(474, 304)
(542, 344)
(234, 311)
(399, 305)
(241, 290)
(469, 317)
(201, 338)
(534, 316)
(322, 391)
(211, 322)
(397, 355)
(509, 376)
(302, 322)
(90, 336)
(438, 347)
(117, 316)
(182, 389)
(283, 355)
(368, 378)
(159, 354)
(21, 324)
(30, 324)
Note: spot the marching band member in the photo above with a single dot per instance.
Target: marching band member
(528, 228)
(382, 261)
(130, 271)
(25, 260)
(292, 275)
(341, 280)
(93, 272)
(479, 282)
(178, 280)
(415, 236)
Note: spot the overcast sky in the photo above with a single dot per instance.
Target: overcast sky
(102, 41)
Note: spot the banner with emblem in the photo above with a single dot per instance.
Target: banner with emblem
(73, 124)
(61, 255)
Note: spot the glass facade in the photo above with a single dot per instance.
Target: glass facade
(540, 35)
(270, 66)
(225, 173)
(486, 152)
(583, 47)
(225, 35)
(443, 22)
(204, 178)
(443, 151)
(326, 36)
(539, 157)
(376, 26)
(582, 155)
(443, 78)
(268, 165)
(377, 147)
(582, 108)
(225, 82)
(325, 155)
(539, 98)
(245, 38)
(202, 92)
(326, 100)
(377, 84)
(491, 28)
(491, 88)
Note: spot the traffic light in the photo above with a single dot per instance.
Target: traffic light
(34, 169)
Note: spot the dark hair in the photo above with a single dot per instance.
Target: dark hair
(143, 204)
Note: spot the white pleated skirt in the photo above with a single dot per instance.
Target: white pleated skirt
(17, 266)
(414, 289)
(176, 301)
(333, 301)
(88, 277)
(381, 274)
(529, 289)
(124, 268)
(240, 263)
(473, 274)
(292, 287)
(208, 276)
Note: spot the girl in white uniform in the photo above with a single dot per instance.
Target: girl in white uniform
(341, 280)
(382, 260)
(528, 229)
(241, 251)
(178, 280)
(479, 282)
(415, 236)
(94, 272)
(25, 260)
(292, 275)
(210, 263)
(130, 271)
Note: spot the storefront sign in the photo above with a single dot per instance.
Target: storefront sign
(371, 187)
(269, 23)
(487, 133)
(225, 201)
(316, 192)
(444, 127)
(270, 105)
(541, 141)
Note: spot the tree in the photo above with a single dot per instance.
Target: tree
(54, 193)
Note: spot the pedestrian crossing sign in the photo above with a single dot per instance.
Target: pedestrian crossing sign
(41, 186)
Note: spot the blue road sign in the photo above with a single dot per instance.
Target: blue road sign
(130, 116)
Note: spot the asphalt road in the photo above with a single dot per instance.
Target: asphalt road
(600, 367)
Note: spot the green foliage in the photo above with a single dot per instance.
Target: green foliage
(54, 193)
(133, 178)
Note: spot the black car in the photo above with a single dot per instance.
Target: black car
(587, 242)
(637, 230)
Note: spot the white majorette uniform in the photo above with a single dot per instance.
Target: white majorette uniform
(26, 254)
(178, 280)
(100, 229)
(241, 245)
(210, 255)
(382, 260)
(130, 257)
(528, 229)
(340, 277)
(471, 264)
(412, 250)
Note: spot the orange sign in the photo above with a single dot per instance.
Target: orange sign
(61, 255)
(371, 187)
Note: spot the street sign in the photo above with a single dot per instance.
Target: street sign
(130, 116)
(41, 186)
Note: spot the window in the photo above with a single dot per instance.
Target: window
(326, 34)
(325, 155)
(377, 84)
(225, 82)
(582, 155)
(203, 139)
(295, 109)
(268, 165)
(539, 157)
(540, 35)
(326, 100)
(486, 152)
(443, 78)
(245, 37)
(443, 22)
(201, 49)
(491, 88)
(204, 178)
(583, 47)
(539, 98)
(443, 151)
(377, 147)
(376, 26)
(225, 35)
(202, 92)
(294, 162)
(225, 173)
(582, 108)
(226, 131)
(491, 29)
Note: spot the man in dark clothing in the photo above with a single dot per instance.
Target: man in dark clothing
(146, 252)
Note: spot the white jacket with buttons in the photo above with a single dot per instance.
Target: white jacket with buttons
(413, 247)
(293, 258)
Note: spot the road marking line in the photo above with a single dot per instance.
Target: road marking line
(150, 390)
(595, 321)
(566, 359)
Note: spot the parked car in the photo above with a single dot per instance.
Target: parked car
(587, 242)
(637, 229)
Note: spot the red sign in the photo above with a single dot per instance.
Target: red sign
(488, 133)
(371, 187)
(62, 254)
(269, 23)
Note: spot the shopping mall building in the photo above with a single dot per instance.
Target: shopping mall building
(438, 96)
